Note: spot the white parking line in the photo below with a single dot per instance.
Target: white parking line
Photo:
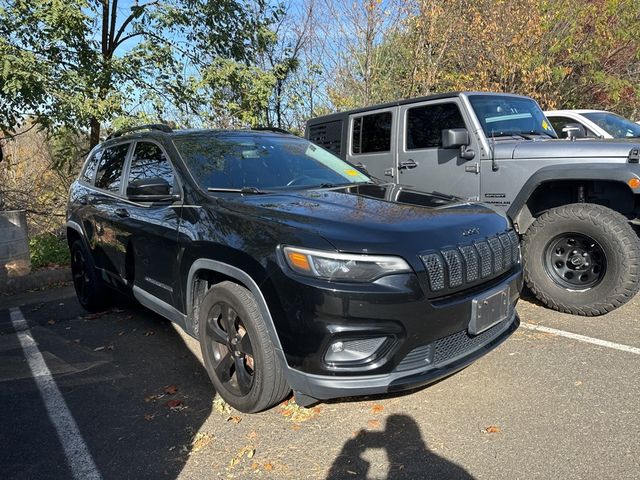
(582, 338)
(76, 451)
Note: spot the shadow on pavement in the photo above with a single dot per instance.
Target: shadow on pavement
(136, 392)
(408, 456)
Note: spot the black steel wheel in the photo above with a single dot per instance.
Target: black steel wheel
(237, 350)
(575, 261)
(582, 259)
(91, 292)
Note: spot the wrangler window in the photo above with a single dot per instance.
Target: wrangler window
(372, 133)
(425, 124)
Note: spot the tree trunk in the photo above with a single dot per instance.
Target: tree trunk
(94, 138)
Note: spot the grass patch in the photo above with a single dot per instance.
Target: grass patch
(47, 249)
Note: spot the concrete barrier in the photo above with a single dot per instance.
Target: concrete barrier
(14, 244)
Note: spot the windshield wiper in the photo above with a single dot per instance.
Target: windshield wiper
(252, 190)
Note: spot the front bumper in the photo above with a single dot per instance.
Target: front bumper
(324, 387)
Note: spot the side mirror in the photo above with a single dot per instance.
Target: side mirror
(153, 189)
(574, 130)
(455, 137)
(458, 138)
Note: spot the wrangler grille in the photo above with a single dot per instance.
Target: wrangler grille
(466, 264)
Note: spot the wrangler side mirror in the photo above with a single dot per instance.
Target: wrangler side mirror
(458, 138)
(455, 137)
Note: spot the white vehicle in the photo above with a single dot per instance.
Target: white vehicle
(592, 124)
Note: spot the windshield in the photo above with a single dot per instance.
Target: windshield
(233, 161)
(614, 125)
(502, 115)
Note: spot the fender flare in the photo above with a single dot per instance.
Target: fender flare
(246, 280)
(614, 172)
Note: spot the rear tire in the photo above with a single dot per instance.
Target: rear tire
(582, 259)
(92, 294)
(237, 350)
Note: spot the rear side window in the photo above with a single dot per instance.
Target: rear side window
(90, 169)
(425, 124)
(372, 133)
(149, 161)
(328, 136)
(110, 167)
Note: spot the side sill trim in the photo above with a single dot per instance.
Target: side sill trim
(158, 306)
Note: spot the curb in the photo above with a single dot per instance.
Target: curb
(35, 280)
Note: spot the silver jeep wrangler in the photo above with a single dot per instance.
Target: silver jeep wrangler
(573, 202)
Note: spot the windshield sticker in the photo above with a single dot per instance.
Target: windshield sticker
(545, 125)
(351, 172)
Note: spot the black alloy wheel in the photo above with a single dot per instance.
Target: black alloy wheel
(230, 348)
(575, 261)
(238, 351)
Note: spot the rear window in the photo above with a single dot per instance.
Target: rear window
(109, 175)
(372, 133)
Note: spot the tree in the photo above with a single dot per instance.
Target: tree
(84, 62)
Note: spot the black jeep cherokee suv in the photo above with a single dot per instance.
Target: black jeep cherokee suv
(293, 269)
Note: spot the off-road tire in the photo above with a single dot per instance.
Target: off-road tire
(91, 291)
(617, 240)
(269, 385)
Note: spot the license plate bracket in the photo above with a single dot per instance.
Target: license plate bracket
(489, 310)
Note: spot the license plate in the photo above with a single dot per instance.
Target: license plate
(488, 311)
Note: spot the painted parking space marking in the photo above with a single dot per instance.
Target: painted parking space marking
(581, 338)
(75, 449)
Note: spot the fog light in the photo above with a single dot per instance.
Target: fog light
(349, 351)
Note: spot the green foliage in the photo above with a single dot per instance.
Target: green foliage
(47, 249)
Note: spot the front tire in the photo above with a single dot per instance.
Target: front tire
(582, 259)
(237, 351)
(92, 294)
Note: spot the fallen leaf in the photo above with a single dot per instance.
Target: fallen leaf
(148, 333)
(252, 434)
(170, 389)
(120, 334)
(94, 316)
(295, 427)
(577, 383)
(174, 403)
(377, 408)
(199, 441)
(98, 349)
(373, 423)
(248, 450)
(148, 417)
(268, 466)
(234, 419)
(296, 413)
(150, 398)
(221, 406)
(255, 466)
(51, 322)
(351, 472)
(251, 453)
(492, 429)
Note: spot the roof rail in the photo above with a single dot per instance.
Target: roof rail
(151, 126)
(273, 129)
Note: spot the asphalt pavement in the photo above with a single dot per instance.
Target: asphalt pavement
(124, 395)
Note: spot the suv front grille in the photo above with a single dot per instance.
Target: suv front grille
(466, 264)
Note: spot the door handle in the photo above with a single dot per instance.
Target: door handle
(408, 164)
(475, 168)
(121, 212)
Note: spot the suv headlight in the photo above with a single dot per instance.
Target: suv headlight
(343, 267)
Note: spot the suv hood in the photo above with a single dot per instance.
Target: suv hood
(366, 219)
(557, 148)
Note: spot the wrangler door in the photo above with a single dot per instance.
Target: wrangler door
(422, 161)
